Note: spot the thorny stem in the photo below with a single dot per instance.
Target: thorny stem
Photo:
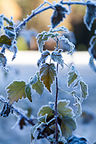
(30, 121)
(23, 23)
(34, 13)
(56, 100)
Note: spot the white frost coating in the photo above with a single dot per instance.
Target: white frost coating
(34, 79)
(67, 45)
(90, 15)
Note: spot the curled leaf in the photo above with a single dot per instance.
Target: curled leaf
(57, 57)
(28, 92)
(58, 15)
(3, 60)
(72, 76)
(43, 58)
(84, 89)
(90, 14)
(5, 40)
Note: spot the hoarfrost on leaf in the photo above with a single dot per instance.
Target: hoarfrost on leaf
(58, 14)
(84, 89)
(57, 57)
(38, 85)
(90, 15)
(43, 58)
(48, 73)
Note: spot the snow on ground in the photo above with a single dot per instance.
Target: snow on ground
(22, 68)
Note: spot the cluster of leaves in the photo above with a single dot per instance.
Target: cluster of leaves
(79, 89)
(46, 126)
(7, 38)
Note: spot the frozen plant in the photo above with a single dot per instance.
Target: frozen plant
(56, 121)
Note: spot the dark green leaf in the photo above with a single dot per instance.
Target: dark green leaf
(68, 125)
(5, 40)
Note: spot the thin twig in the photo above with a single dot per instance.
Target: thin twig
(30, 121)
(77, 3)
(23, 23)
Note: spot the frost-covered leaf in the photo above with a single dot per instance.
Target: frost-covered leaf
(92, 64)
(68, 125)
(1, 20)
(4, 39)
(66, 115)
(43, 131)
(76, 140)
(16, 91)
(72, 76)
(57, 57)
(90, 15)
(43, 58)
(14, 49)
(92, 48)
(3, 60)
(28, 92)
(9, 30)
(48, 73)
(62, 28)
(84, 89)
(67, 45)
(58, 15)
(64, 109)
(43, 37)
(37, 84)
(46, 110)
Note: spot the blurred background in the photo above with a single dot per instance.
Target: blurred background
(19, 9)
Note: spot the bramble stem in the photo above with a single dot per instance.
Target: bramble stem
(76, 3)
(56, 113)
(23, 23)
(34, 13)
(56, 100)
(30, 121)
